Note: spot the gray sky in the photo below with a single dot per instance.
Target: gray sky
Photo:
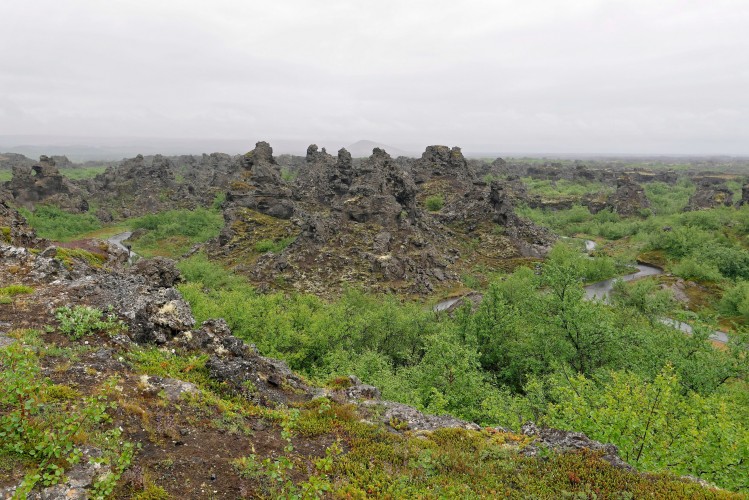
(665, 76)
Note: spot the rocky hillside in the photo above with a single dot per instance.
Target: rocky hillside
(373, 223)
(110, 389)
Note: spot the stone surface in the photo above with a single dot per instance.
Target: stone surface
(564, 441)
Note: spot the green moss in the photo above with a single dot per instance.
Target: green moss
(5, 234)
(68, 256)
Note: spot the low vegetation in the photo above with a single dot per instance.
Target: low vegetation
(533, 350)
(44, 427)
(434, 203)
(80, 321)
(172, 233)
(54, 224)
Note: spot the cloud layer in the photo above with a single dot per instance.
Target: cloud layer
(504, 76)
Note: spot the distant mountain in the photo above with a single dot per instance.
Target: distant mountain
(364, 148)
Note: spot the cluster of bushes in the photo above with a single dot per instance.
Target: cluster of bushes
(173, 232)
(706, 245)
(57, 225)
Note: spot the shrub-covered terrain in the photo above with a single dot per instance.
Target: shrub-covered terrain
(154, 406)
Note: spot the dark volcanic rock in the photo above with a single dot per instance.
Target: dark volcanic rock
(441, 161)
(629, 198)
(15, 230)
(379, 191)
(710, 194)
(744, 196)
(44, 184)
(260, 186)
(138, 186)
(364, 222)
(159, 271)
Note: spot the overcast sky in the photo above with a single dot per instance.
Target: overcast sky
(587, 76)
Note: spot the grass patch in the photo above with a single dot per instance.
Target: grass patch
(13, 290)
(56, 225)
(80, 173)
(172, 233)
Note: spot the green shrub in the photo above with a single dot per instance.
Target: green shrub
(38, 425)
(57, 225)
(172, 233)
(735, 300)
(79, 321)
(435, 203)
(693, 269)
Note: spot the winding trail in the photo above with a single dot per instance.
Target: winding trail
(601, 290)
(117, 240)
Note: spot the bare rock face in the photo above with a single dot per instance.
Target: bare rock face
(365, 222)
(402, 417)
(14, 229)
(642, 176)
(43, 184)
(709, 194)
(323, 177)
(260, 186)
(379, 191)
(497, 168)
(159, 271)
(441, 161)
(629, 198)
(565, 441)
(138, 186)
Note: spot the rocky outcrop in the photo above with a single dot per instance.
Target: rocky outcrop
(629, 198)
(8, 161)
(709, 194)
(379, 191)
(323, 177)
(494, 169)
(14, 229)
(138, 186)
(643, 176)
(43, 183)
(441, 161)
(260, 186)
(366, 222)
(159, 271)
(744, 196)
(566, 441)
